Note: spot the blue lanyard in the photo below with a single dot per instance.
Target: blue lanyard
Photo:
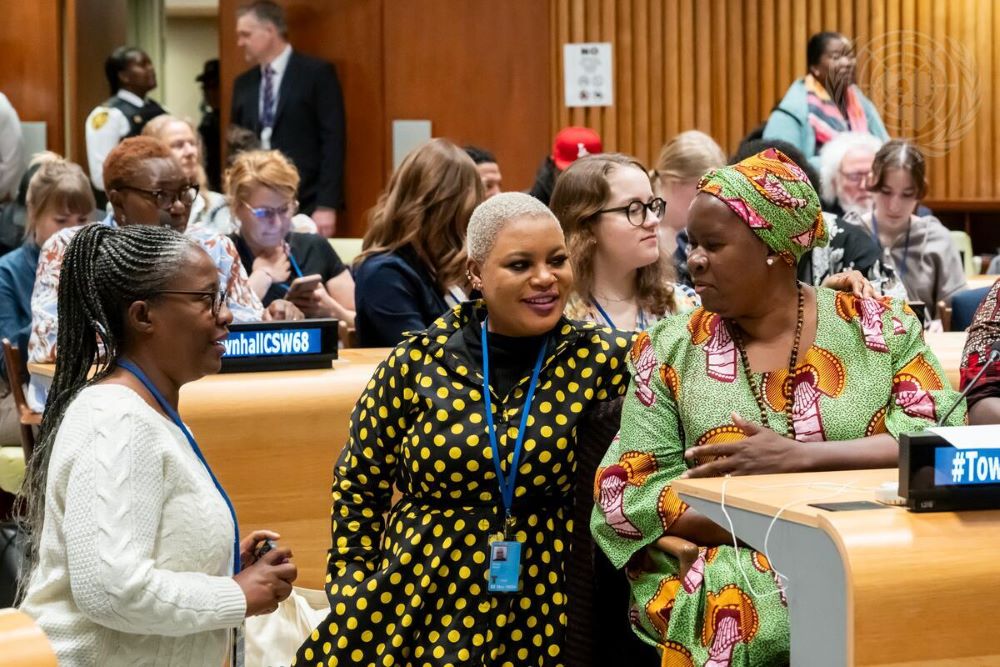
(607, 318)
(906, 245)
(507, 482)
(295, 266)
(176, 419)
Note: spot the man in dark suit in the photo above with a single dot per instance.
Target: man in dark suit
(294, 103)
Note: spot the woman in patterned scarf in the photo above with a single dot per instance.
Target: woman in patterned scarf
(826, 101)
(737, 388)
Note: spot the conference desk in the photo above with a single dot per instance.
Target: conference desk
(871, 587)
(272, 439)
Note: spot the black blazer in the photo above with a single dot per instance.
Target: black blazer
(308, 125)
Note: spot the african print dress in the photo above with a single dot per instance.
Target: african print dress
(868, 372)
(410, 587)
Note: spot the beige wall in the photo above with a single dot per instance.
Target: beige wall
(190, 41)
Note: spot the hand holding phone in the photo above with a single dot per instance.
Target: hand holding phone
(303, 287)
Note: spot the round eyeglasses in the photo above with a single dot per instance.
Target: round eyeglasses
(165, 198)
(636, 211)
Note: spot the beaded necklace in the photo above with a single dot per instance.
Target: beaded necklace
(793, 362)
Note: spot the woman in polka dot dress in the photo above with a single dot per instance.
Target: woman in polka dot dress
(411, 585)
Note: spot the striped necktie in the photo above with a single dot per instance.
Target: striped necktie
(267, 114)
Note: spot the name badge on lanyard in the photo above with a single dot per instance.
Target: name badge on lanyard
(505, 552)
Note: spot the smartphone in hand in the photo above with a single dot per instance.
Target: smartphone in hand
(303, 287)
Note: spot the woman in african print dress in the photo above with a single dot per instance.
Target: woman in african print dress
(414, 587)
(768, 376)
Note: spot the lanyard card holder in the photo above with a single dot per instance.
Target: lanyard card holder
(505, 566)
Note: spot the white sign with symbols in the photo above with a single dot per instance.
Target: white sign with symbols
(588, 74)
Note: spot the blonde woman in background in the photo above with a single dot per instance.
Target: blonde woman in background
(59, 196)
(209, 209)
(611, 217)
(261, 187)
(682, 162)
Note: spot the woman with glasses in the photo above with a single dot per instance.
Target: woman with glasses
(146, 186)
(261, 187)
(826, 101)
(209, 209)
(606, 206)
(135, 553)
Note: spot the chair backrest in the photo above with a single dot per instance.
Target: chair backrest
(963, 242)
(22, 642)
(13, 364)
(347, 249)
(964, 305)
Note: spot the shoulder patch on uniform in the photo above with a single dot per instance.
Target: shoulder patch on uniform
(99, 119)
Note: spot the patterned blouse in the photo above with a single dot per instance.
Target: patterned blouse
(407, 583)
(242, 301)
(868, 372)
(983, 332)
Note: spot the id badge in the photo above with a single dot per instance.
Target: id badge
(505, 567)
(237, 656)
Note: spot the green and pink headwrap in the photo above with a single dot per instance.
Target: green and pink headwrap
(772, 194)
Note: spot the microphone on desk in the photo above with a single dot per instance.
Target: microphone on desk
(994, 355)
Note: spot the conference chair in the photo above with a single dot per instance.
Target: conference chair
(28, 418)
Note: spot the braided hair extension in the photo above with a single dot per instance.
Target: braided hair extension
(103, 272)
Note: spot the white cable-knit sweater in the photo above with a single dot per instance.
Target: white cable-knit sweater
(137, 547)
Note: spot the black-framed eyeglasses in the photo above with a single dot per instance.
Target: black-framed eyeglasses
(267, 213)
(218, 297)
(165, 198)
(636, 211)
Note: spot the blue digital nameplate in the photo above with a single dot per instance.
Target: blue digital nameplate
(274, 343)
(262, 346)
(966, 467)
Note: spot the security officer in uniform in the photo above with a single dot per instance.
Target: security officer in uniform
(131, 76)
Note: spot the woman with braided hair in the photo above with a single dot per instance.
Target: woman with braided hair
(134, 555)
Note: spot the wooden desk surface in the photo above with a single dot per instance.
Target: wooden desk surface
(920, 585)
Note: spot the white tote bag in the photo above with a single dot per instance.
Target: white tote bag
(272, 640)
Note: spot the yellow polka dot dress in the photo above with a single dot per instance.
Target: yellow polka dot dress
(408, 585)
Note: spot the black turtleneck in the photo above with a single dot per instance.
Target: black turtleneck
(512, 358)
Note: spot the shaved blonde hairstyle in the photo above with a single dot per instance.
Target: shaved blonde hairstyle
(490, 217)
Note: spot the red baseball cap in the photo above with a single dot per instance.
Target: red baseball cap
(572, 143)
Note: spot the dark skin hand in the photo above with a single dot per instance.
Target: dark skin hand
(985, 411)
(765, 452)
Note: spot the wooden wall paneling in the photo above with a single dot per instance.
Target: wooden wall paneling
(783, 46)
(626, 75)
(31, 53)
(686, 97)
(702, 73)
(642, 76)
(990, 90)
(986, 174)
(736, 121)
(479, 75)
(600, 119)
(937, 166)
(953, 183)
(767, 59)
(86, 50)
(830, 18)
(671, 72)
(800, 35)
(657, 98)
(719, 100)
(752, 115)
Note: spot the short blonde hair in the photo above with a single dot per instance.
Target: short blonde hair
(58, 185)
(490, 217)
(270, 169)
(688, 156)
(157, 127)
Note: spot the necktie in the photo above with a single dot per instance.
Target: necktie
(267, 114)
